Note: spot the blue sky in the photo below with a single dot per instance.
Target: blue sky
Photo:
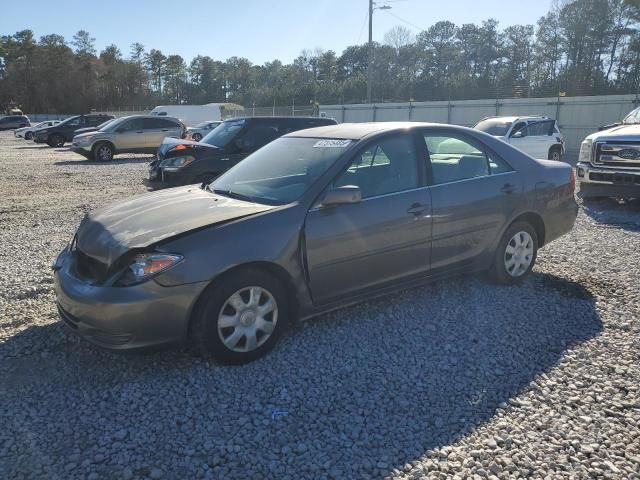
(260, 30)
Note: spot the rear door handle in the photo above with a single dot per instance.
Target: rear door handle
(508, 188)
(417, 208)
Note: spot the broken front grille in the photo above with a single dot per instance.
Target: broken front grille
(89, 268)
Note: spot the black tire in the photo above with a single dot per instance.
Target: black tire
(55, 141)
(28, 136)
(499, 271)
(555, 153)
(196, 137)
(204, 332)
(102, 152)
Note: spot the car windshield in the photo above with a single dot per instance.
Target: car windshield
(223, 133)
(68, 120)
(633, 117)
(104, 124)
(494, 126)
(282, 171)
(112, 124)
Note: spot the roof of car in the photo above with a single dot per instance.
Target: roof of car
(514, 118)
(357, 131)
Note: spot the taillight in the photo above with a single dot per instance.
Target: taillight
(572, 180)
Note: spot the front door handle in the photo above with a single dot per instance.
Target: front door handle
(165, 129)
(508, 188)
(139, 131)
(417, 209)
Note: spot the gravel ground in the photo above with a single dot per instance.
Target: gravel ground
(459, 379)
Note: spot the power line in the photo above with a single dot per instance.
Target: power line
(404, 21)
(364, 22)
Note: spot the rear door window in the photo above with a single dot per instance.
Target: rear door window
(158, 123)
(454, 158)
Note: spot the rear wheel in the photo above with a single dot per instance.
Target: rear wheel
(516, 254)
(240, 317)
(555, 153)
(28, 136)
(55, 141)
(103, 152)
(196, 137)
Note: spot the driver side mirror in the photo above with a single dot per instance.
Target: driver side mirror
(342, 195)
(518, 134)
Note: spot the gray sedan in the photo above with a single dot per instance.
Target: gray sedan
(315, 220)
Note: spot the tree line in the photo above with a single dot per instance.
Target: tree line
(580, 47)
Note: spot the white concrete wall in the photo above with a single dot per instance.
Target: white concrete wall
(577, 116)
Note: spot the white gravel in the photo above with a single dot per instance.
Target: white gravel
(460, 379)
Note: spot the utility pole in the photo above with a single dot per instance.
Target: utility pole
(372, 7)
(370, 54)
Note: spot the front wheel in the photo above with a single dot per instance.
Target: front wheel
(240, 317)
(196, 137)
(55, 141)
(28, 136)
(516, 254)
(103, 152)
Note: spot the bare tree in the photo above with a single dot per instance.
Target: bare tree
(398, 37)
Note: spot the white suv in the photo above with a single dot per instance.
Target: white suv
(539, 137)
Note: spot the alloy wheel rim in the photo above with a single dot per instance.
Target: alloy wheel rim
(104, 153)
(247, 319)
(518, 255)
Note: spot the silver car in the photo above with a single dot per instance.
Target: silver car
(132, 134)
(202, 129)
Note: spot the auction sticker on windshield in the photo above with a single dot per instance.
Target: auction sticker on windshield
(331, 143)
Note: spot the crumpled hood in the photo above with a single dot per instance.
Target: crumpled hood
(616, 132)
(109, 232)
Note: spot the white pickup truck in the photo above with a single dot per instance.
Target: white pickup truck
(609, 163)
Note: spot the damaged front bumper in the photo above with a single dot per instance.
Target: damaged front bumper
(122, 318)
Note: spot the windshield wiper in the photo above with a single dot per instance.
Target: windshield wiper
(230, 194)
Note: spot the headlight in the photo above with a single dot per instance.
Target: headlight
(176, 162)
(146, 265)
(585, 151)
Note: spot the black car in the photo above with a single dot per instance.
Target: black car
(11, 122)
(57, 135)
(183, 162)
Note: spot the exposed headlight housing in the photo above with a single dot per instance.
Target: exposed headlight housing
(172, 164)
(146, 265)
(586, 148)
